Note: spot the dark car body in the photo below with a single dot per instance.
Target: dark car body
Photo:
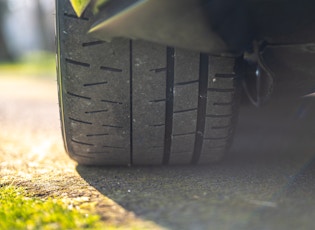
(283, 30)
(215, 26)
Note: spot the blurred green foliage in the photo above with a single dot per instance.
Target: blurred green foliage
(79, 6)
(36, 64)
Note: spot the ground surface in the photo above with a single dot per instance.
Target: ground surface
(267, 182)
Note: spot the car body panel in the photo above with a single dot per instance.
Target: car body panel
(214, 26)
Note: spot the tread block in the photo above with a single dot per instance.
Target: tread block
(182, 149)
(148, 107)
(185, 97)
(184, 122)
(186, 66)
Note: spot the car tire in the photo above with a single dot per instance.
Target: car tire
(133, 102)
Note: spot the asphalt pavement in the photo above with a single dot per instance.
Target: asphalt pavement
(266, 182)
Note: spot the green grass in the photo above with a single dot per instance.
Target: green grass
(39, 64)
(20, 211)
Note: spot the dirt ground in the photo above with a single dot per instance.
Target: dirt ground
(32, 153)
(267, 182)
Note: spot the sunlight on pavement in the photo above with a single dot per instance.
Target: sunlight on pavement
(32, 153)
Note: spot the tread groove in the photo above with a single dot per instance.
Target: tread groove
(202, 106)
(111, 69)
(96, 83)
(185, 110)
(158, 100)
(98, 152)
(113, 126)
(157, 125)
(186, 83)
(78, 96)
(93, 43)
(97, 135)
(170, 72)
(183, 134)
(79, 121)
(74, 62)
(158, 70)
(97, 111)
(81, 143)
(112, 102)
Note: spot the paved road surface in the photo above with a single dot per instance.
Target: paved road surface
(267, 182)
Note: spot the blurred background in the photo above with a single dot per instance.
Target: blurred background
(27, 43)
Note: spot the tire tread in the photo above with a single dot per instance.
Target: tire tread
(134, 102)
